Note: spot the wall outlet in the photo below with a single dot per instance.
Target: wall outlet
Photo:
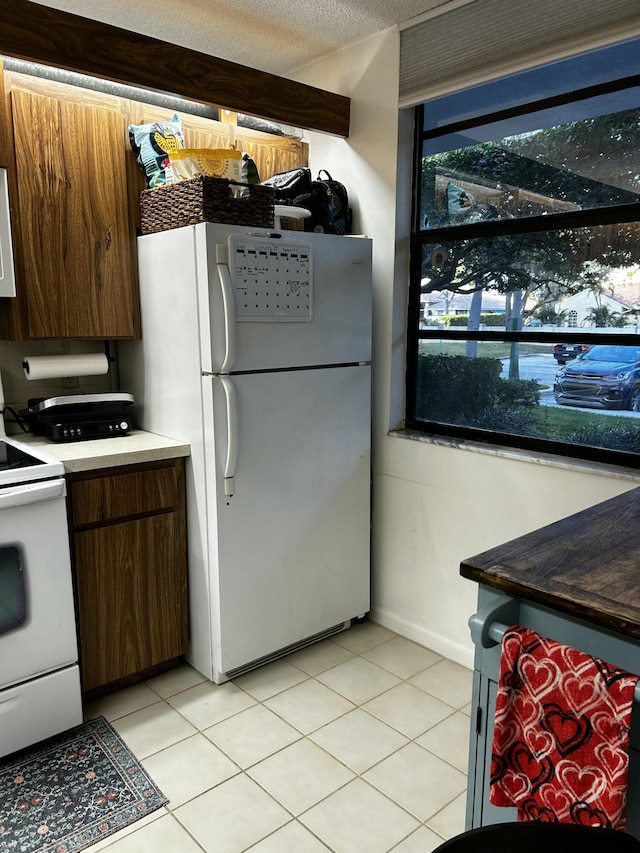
(69, 382)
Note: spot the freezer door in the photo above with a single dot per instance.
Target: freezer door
(290, 546)
(285, 299)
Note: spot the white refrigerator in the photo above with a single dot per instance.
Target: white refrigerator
(256, 349)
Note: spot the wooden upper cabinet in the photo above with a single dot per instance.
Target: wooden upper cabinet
(77, 237)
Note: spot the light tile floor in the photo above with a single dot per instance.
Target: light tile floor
(357, 744)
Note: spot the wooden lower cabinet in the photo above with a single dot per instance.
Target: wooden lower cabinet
(129, 557)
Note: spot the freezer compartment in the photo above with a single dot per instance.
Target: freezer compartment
(290, 546)
(293, 300)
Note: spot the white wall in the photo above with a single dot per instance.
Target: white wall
(433, 504)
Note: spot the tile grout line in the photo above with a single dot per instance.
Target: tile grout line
(358, 706)
(302, 736)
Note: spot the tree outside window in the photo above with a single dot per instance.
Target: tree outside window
(543, 215)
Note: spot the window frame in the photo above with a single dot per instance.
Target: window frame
(621, 213)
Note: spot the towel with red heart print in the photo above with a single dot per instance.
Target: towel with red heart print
(560, 748)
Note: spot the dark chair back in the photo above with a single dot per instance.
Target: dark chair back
(533, 837)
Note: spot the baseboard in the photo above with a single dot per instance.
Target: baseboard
(441, 645)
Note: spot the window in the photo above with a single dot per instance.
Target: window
(525, 262)
(13, 603)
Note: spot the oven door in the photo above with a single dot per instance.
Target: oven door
(37, 621)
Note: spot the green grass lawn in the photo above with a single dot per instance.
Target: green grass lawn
(564, 420)
(486, 349)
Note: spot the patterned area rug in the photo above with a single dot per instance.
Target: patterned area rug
(71, 791)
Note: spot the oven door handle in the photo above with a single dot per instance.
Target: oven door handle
(32, 493)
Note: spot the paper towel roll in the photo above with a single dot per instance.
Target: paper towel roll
(55, 366)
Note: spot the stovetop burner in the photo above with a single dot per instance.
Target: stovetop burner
(14, 457)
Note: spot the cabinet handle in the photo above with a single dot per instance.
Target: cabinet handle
(478, 719)
(10, 699)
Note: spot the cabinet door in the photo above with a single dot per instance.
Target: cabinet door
(480, 812)
(131, 588)
(77, 237)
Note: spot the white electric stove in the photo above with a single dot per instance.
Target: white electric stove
(39, 675)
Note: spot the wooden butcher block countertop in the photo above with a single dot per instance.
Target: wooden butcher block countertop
(586, 565)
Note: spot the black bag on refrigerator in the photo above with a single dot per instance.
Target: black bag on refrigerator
(329, 206)
(291, 188)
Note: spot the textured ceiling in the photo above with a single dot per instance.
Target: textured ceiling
(277, 36)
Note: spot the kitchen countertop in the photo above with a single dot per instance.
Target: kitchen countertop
(135, 447)
(586, 565)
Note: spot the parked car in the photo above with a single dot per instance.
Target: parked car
(604, 377)
(565, 352)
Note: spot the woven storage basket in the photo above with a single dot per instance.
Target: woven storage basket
(205, 199)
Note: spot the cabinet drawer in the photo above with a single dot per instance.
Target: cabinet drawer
(124, 495)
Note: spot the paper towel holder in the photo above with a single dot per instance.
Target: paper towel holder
(61, 366)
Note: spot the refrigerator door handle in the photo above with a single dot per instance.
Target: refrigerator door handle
(226, 287)
(232, 435)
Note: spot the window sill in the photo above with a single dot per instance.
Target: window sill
(599, 469)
